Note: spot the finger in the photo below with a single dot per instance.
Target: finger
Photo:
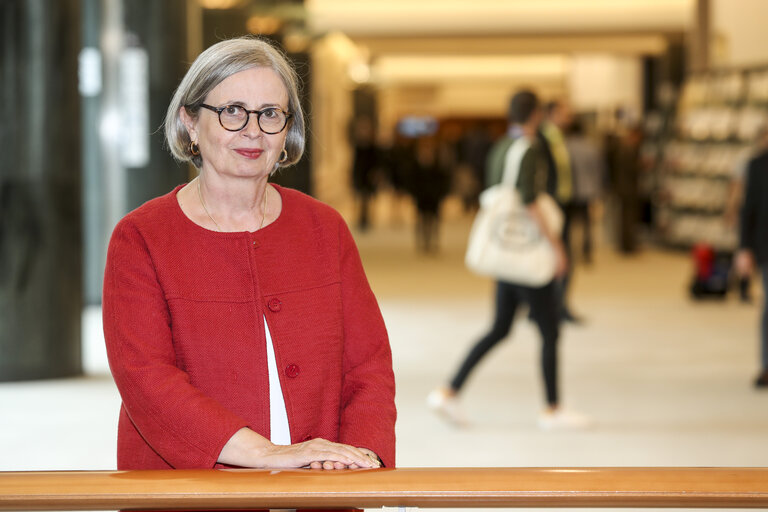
(316, 465)
(372, 456)
(328, 464)
(363, 458)
(339, 465)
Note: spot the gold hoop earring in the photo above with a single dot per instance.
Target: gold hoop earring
(194, 148)
(283, 156)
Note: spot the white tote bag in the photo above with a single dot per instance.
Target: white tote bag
(505, 241)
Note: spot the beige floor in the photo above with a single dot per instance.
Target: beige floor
(666, 381)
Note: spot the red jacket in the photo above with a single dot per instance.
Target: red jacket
(183, 310)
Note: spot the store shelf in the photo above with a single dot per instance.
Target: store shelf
(718, 117)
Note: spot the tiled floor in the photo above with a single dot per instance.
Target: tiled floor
(667, 381)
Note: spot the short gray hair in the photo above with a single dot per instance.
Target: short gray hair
(213, 66)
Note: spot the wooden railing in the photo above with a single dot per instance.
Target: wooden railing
(407, 487)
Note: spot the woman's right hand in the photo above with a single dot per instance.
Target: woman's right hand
(248, 449)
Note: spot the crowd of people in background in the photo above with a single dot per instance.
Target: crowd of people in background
(449, 158)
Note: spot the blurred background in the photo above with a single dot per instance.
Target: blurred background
(404, 100)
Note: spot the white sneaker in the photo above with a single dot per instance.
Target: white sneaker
(445, 404)
(560, 419)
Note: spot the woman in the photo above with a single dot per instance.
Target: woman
(240, 327)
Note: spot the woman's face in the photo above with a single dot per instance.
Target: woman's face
(248, 152)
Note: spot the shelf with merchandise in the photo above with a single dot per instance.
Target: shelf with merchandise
(719, 116)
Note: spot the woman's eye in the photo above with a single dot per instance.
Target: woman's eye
(270, 113)
(233, 110)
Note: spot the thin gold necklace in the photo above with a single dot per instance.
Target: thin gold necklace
(218, 228)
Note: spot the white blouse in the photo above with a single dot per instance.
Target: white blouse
(280, 433)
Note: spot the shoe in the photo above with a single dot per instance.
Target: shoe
(762, 380)
(446, 405)
(563, 420)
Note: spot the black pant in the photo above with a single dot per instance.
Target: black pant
(545, 311)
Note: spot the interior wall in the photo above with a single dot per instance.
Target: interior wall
(605, 82)
(461, 86)
(591, 82)
(739, 28)
(459, 100)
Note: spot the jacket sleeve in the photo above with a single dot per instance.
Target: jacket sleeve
(185, 427)
(368, 388)
(748, 215)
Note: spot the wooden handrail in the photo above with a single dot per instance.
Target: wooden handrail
(406, 487)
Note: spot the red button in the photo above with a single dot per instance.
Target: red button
(274, 305)
(292, 371)
(255, 244)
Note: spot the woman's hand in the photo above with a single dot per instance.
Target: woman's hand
(323, 454)
(248, 449)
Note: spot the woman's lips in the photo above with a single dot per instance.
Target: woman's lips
(250, 153)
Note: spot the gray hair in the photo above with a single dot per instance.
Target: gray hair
(213, 66)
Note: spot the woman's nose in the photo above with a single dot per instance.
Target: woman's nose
(252, 128)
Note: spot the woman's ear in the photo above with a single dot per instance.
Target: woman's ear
(189, 123)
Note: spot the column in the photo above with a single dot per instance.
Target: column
(40, 233)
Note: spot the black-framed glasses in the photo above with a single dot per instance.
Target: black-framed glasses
(233, 118)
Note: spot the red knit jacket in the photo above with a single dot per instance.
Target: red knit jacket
(183, 309)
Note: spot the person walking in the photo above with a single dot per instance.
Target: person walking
(588, 171)
(753, 244)
(552, 138)
(524, 116)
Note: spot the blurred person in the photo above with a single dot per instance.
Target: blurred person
(558, 117)
(736, 195)
(240, 327)
(618, 186)
(474, 146)
(551, 134)
(753, 244)
(525, 115)
(365, 160)
(588, 170)
(398, 165)
(626, 175)
(430, 184)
